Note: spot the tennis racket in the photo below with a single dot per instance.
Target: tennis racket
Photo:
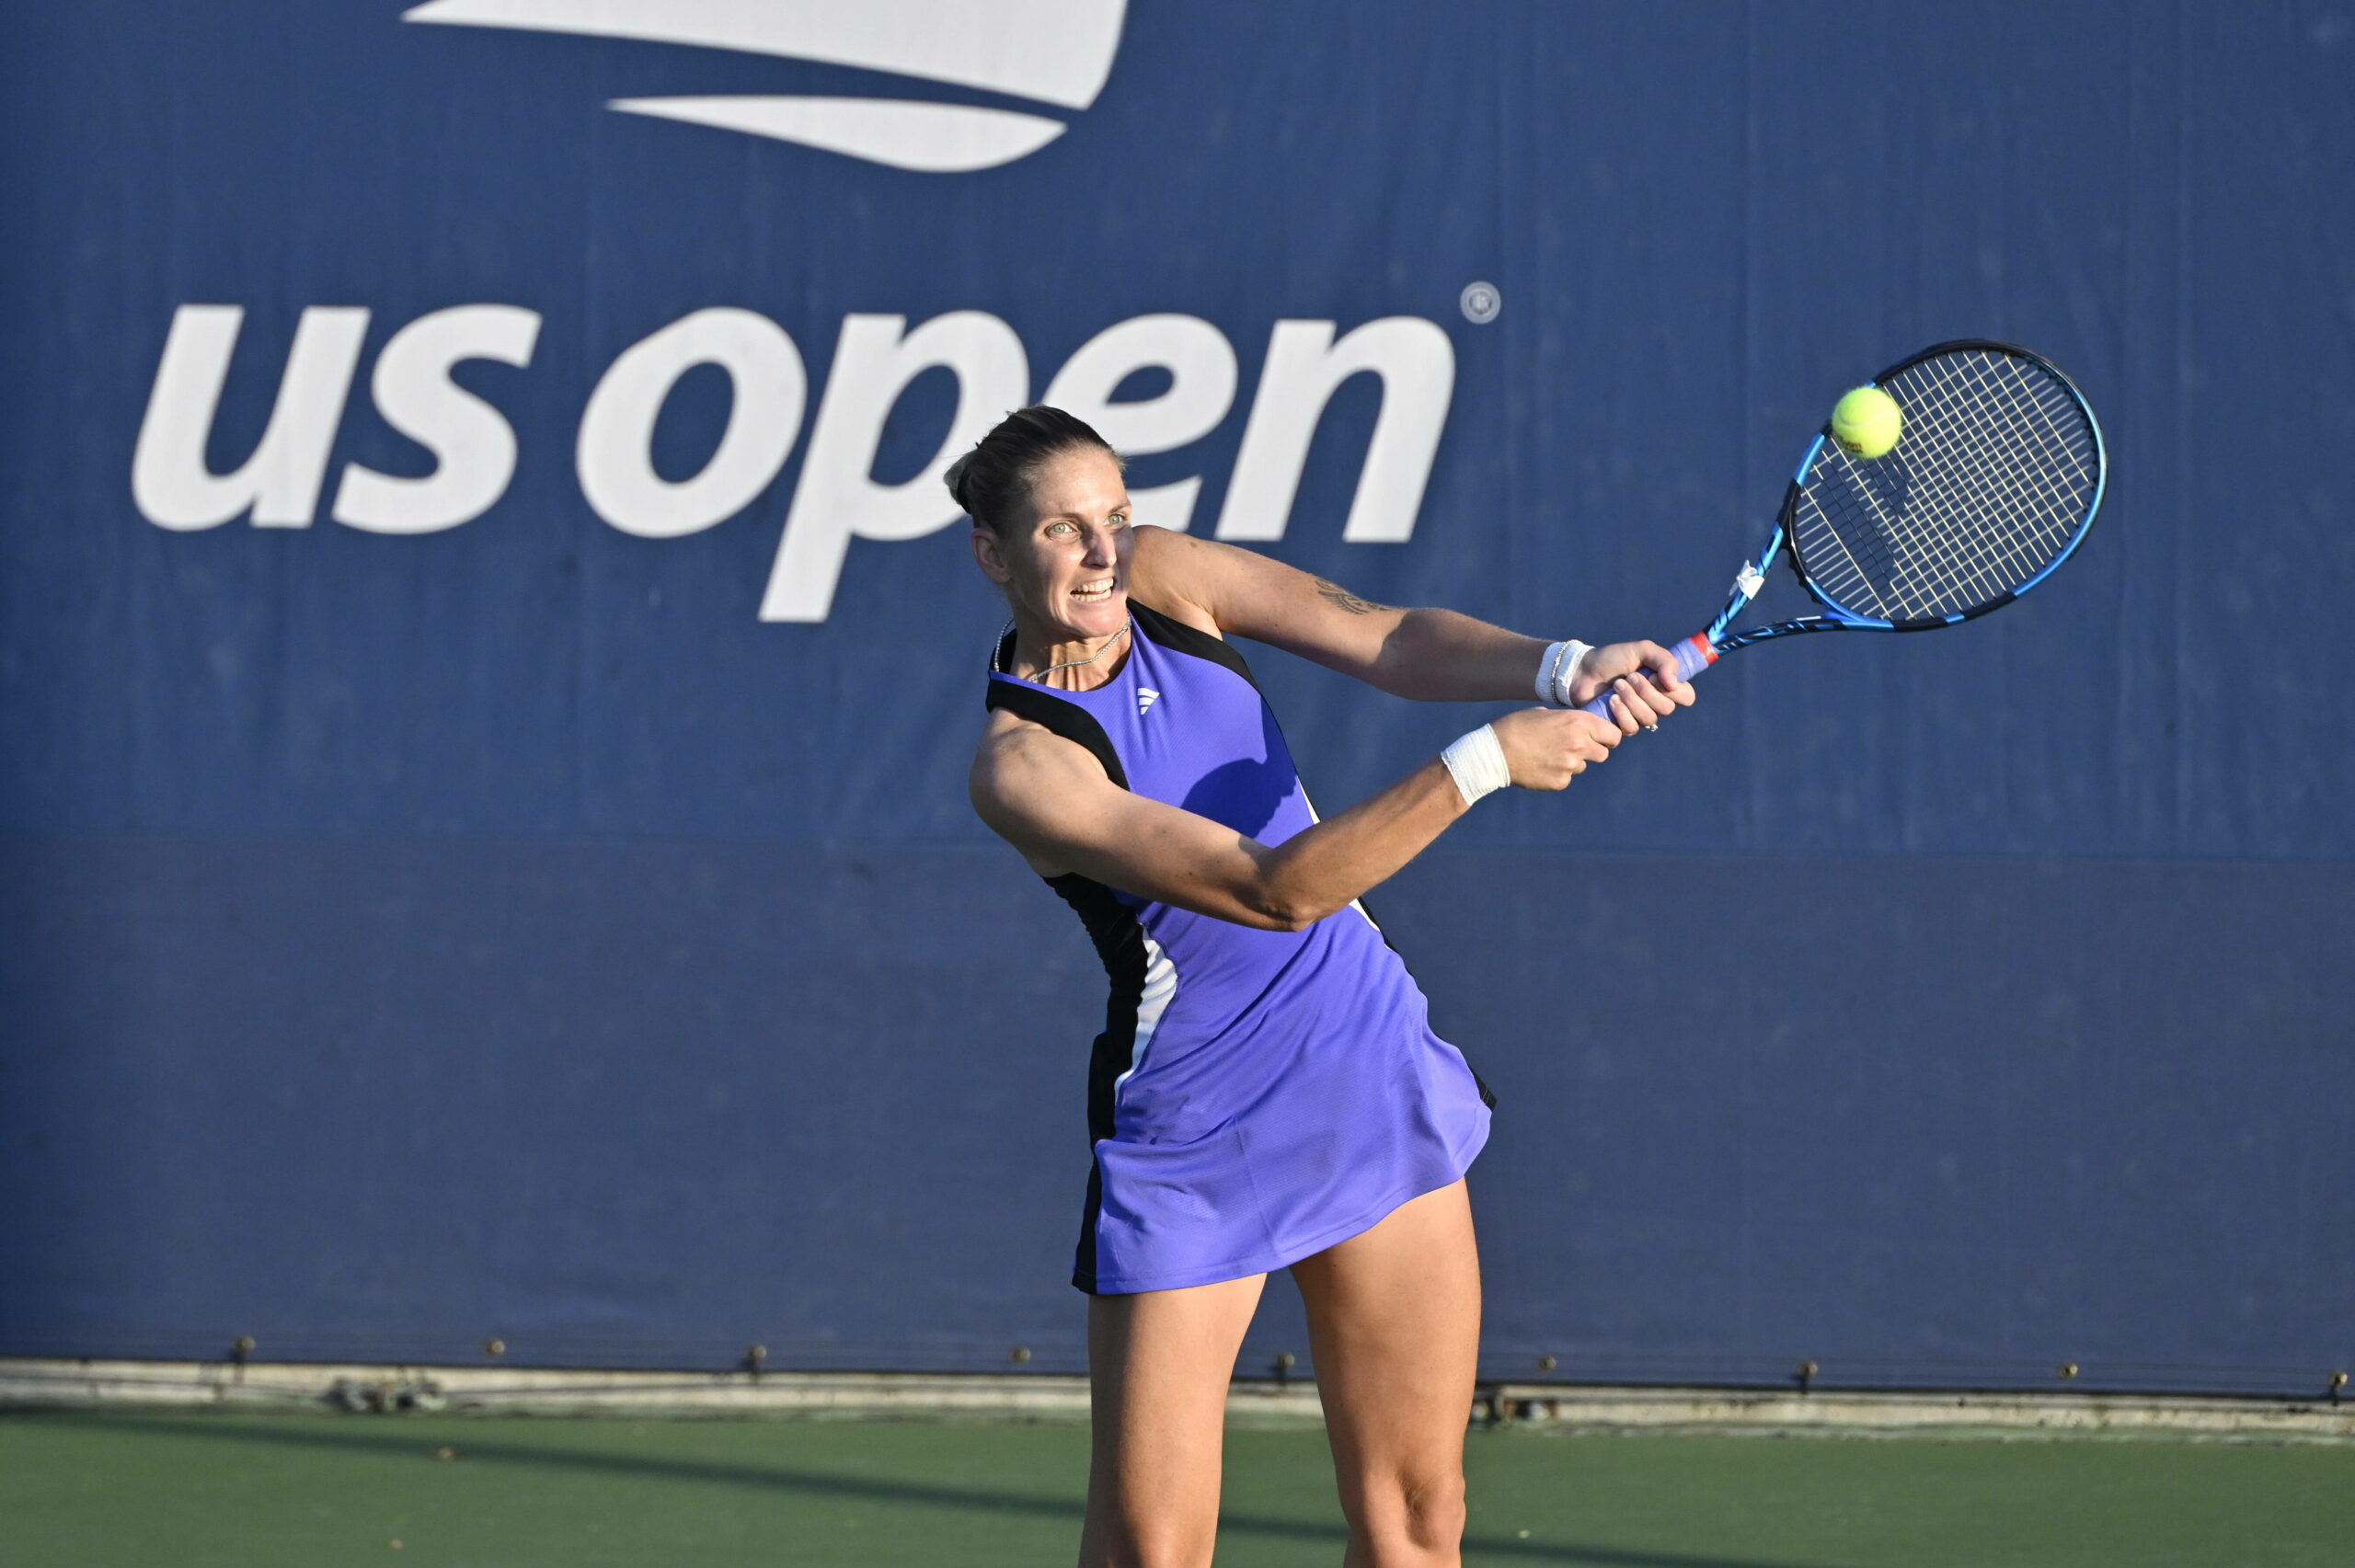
(1994, 480)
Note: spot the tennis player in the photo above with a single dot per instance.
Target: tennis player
(1266, 1093)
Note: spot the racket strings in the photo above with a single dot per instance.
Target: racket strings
(1982, 486)
(1978, 503)
(2052, 480)
(1984, 549)
(1994, 476)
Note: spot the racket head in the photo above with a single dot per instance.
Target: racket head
(1996, 480)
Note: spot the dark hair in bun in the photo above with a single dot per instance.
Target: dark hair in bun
(992, 482)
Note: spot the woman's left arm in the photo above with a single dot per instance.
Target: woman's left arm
(1428, 654)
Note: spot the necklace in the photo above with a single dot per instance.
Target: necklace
(1109, 643)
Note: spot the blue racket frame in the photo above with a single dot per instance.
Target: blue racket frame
(1696, 653)
(1840, 617)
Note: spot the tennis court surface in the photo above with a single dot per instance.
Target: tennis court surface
(80, 1490)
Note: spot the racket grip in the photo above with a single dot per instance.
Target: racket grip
(1692, 656)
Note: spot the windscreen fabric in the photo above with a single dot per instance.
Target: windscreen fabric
(437, 905)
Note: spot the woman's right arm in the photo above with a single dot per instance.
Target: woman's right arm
(1050, 798)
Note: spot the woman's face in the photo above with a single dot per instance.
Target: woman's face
(1066, 564)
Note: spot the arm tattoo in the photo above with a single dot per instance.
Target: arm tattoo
(1333, 592)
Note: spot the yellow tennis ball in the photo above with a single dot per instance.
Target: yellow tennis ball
(1866, 422)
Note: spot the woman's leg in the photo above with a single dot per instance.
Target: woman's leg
(1394, 1316)
(1160, 1363)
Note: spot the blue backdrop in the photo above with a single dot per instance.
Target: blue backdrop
(462, 877)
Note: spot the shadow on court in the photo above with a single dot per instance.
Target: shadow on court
(389, 1441)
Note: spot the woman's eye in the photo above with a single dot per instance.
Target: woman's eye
(1118, 519)
(1056, 528)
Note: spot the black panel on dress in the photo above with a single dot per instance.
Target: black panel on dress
(1178, 635)
(1069, 720)
(1119, 943)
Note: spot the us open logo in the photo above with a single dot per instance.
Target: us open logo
(1049, 52)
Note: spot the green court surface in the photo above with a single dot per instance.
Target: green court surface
(182, 1491)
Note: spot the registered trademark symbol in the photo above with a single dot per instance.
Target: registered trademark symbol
(1481, 303)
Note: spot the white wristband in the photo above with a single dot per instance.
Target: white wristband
(1477, 762)
(1558, 670)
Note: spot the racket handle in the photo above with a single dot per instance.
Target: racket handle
(1692, 656)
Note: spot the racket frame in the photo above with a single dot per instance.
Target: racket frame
(1717, 640)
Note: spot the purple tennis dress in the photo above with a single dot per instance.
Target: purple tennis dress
(1257, 1096)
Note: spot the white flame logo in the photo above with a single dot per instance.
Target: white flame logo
(1052, 51)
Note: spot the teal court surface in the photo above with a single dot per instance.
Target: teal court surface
(191, 1490)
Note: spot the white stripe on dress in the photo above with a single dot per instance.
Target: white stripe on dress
(1160, 986)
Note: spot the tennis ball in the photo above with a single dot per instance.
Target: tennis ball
(1866, 422)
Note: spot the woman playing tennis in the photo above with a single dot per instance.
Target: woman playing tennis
(1266, 1093)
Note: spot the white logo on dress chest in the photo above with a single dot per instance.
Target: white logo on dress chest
(1147, 696)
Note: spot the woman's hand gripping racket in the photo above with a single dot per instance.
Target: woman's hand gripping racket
(1995, 478)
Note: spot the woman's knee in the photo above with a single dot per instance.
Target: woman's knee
(1410, 1518)
(1435, 1510)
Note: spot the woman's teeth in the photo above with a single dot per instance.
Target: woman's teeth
(1093, 592)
